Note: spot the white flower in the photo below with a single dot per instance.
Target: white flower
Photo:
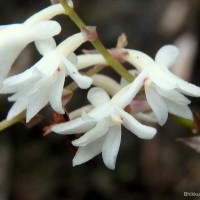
(103, 127)
(14, 38)
(164, 91)
(44, 81)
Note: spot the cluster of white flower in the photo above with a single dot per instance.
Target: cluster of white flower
(101, 121)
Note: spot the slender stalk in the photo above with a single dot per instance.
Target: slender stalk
(115, 64)
(7, 123)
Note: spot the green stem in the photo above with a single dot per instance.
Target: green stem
(115, 64)
(186, 122)
(7, 123)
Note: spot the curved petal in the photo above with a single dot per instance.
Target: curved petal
(140, 130)
(77, 125)
(173, 95)
(83, 82)
(138, 59)
(157, 104)
(87, 60)
(42, 30)
(178, 109)
(97, 96)
(162, 78)
(55, 92)
(48, 64)
(188, 88)
(98, 131)
(45, 46)
(111, 146)
(107, 83)
(102, 111)
(17, 108)
(36, 103)
(167, 56)
(88, 152)
(126, 95)
(45, 14)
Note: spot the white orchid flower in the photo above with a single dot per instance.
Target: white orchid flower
(14, 38)
(44, 81)
(103, 127)
(164, 90)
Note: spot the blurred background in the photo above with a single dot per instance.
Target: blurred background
(33, 167)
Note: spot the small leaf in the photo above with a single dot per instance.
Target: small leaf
(193, 142)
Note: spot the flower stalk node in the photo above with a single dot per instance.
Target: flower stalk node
(90, 33)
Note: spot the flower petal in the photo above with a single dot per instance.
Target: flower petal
(162, 78)
(55, 92)
(138, 59)
(126, 95)
(140, 130)
(42, 30)
(45, 46)
(98, 131)
(107, 83)
(178, 109)
(167, 56)
(188, 88)
(111, 146)
(173, 95)
(36, 103)
(17, 82)
(88, 60)
(97, 96)
(88, 152)
(77, 125)
(157, 104)
(83, 82)
(48, 64)
(45, 14)
(17, 108)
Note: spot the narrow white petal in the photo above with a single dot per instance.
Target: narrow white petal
(97, 96)
(88, 152)
(77, 125)
(147, 117)
(124, 82)
(101, 112)
(70, 44)
(17, 108)
(98, 131)
(36, 103)
(173, 95)
(45, 46)
(107, 83)
(19, 82)
(45, 14)
(55, 92)
(162, 78)
(178, 109)
(83, 82)
(157, 104)
(140, 130)
(110, 147)
(126, 95)
(88, 60)
(167, 56)
(48, 64)
(138, 59)
(72, 58)
(188, 88)
(43, 30)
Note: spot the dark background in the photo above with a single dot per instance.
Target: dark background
(33, 167)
